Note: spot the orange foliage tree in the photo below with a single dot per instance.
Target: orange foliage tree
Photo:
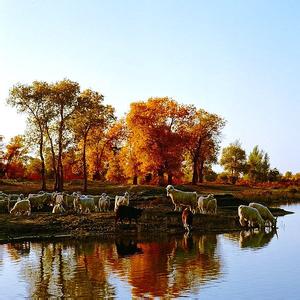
(157, 135)
(130, 161)
(33, 169)
(90, 114)
(15, 157)
(116, 139)
(105, 145)
(203, 132)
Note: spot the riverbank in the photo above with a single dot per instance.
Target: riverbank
(158, 215)
(159, 220)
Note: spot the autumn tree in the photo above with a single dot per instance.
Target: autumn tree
(97, 154)
(72, 162)
(65, 101)
(15, 157)
(91, 114)
(233, 159)
(156, 135)
(115, 172)
(258, 165)
(208, 157)
(104, 143)
(130, 162)
(33, 168)
(33, 100)
(115, 141)
(203, 131)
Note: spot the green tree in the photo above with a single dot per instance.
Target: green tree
(258, 165)
(233, 160)
(288, 175)
(210, 175)
(274, 175)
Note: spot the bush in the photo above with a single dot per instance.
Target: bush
(223, 177)
(211, 176)
(292, 190)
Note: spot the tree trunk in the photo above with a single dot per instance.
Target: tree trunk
(60, 173)
(84, 164)
(53, 158)
(148, 178)
(196, 155)
(170, 179)
(195, 171)
(43, 187)
(200, 172)
(97, 173)
(135, 180)
(59, 169)
(161, 181)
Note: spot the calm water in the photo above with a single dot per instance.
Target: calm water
(240, 265)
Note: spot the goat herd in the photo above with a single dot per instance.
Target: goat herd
(249, 216)
(254, 215)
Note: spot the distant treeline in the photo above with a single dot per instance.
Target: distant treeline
(72, 134)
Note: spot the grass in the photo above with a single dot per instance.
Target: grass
(249, 194)
(270, 196)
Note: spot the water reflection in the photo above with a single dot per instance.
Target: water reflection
(196, 256)
(165, 268)
(252, 239)
(17, 250)
(126, 247)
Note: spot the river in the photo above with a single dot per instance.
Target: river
(239, 265)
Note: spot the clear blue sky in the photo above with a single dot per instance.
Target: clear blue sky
(239, 59)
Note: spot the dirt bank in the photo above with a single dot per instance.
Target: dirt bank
(157, 217)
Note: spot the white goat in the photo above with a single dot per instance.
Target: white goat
(203, 203)
(96, 200)
(265, 214)
(37, 200)
(104, 202)
(211, 207)
(58, 209)
(22, 206)
(84, 204)
(59, 199)
(250, 216)
(121, 200)
(180, 198)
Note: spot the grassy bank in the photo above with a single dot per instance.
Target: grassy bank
(246, 193)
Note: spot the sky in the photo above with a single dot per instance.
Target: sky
(239, 59)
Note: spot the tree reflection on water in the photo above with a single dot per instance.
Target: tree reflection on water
(165, 268)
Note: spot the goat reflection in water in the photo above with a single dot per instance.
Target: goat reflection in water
(252, 239)
(127, 247)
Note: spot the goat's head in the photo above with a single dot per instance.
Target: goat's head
(169, 188)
